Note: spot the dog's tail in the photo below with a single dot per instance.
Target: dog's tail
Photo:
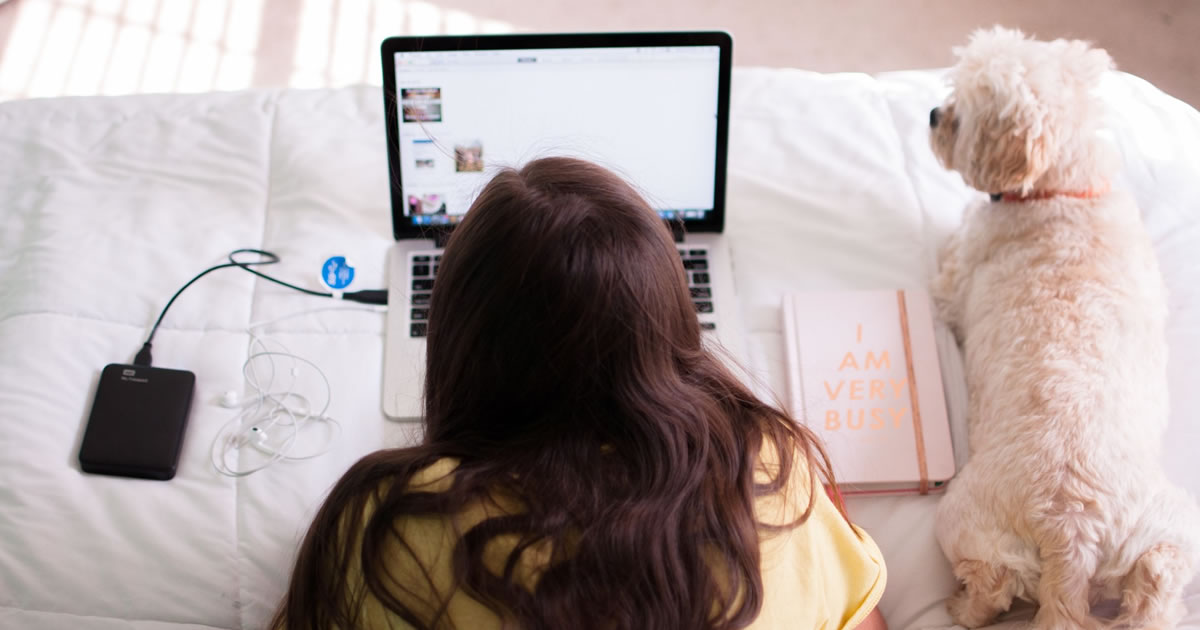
(1069, 546)
(1064, 588)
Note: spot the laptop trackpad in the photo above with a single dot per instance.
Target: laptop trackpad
(404, 355)
(404, 374)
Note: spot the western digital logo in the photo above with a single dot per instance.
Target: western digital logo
(128, 372)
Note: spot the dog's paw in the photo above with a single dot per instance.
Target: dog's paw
(1151, 592)
(946, 288)
(969, 612)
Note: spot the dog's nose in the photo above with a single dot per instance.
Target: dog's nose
(934, 115)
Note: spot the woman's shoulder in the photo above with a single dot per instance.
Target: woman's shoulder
(462, 510)
(419, 555)
(436, 477)
(783, 490)
(835, 562)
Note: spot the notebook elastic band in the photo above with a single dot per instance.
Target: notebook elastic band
(918, 432)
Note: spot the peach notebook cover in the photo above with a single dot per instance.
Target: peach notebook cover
(862, 371)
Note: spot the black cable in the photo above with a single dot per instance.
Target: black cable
(143, 357)
(370, 296)
(274, 259)
(376, 296)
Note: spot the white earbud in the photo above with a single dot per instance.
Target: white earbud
(230, 399)
(258, 435)
(267, 407)
(254, 437)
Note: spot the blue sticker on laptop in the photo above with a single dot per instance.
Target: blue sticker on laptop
(336, 273)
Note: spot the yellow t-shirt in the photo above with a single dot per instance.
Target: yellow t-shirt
(818, 575)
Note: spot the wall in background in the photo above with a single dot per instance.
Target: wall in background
(79, 47)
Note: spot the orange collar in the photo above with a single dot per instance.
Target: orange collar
(1014, 197)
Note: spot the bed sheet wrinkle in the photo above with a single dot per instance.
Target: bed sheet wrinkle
(328, 196)
(15, 619)
(940, 196)
(115, 189)
(844, 214)
(188, 179)
(278, 503)
(116, 547)
(816, 238)
(240, 559)
(902, 127)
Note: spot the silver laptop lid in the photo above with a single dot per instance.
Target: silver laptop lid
(651, 106)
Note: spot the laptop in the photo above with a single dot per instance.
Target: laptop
(653, 107)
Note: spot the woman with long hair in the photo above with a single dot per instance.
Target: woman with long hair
(587, 463)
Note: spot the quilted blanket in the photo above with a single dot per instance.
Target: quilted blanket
(107, 205)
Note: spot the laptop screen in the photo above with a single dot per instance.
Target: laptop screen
(649, 113)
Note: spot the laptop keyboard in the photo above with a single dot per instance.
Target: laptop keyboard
(424, 269)
(695, 263)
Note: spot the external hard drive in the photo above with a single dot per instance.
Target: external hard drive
(137, 423)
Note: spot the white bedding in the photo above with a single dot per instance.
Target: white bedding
(107, 205)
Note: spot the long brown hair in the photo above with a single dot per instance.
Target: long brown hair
(565, 368)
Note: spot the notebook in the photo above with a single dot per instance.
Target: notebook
(863, 373)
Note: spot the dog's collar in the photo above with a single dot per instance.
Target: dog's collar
(1016, 197)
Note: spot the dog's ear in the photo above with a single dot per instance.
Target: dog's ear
(1082, 63)
(1005, 141)
(1009, 147)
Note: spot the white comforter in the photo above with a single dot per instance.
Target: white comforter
(107, 205)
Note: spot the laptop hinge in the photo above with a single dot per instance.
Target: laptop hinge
(677, 230)
(440, 237)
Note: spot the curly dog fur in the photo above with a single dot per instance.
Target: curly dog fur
(1055, 294)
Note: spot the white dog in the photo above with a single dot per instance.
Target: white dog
(1053, 289)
